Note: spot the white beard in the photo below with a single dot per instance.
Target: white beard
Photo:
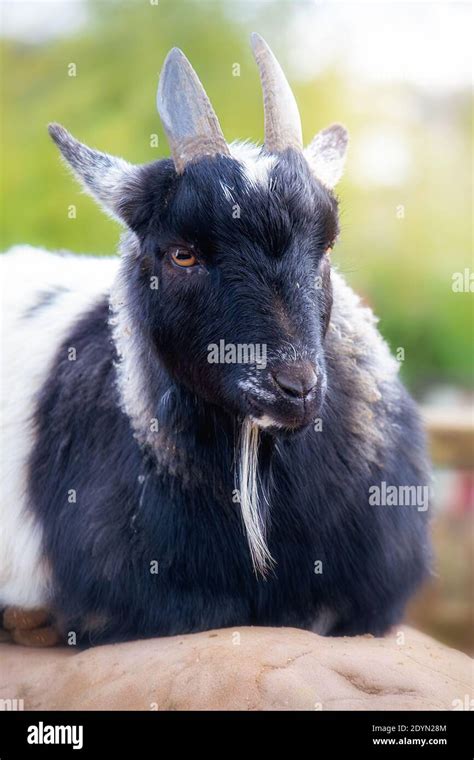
(249, 497)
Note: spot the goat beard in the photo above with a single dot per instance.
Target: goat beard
(251, 495)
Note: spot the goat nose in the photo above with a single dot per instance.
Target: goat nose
(297, 381)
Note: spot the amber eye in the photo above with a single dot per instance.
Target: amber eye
(182, 257)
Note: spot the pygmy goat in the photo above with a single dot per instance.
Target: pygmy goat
(195, 434)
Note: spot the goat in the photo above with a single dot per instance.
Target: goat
(150, 488)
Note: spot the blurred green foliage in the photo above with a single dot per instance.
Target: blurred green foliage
(401, 261)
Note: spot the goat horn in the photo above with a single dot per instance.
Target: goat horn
(190, 122)
(282, 118)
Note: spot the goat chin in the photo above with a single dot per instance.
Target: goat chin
(250, 490)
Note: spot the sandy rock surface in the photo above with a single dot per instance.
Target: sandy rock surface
(241, 669)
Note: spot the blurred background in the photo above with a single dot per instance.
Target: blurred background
(397, 74)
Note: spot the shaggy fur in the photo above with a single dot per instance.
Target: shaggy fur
(145, 431)
(147, 491)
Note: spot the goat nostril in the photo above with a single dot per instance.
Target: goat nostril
(297, 382)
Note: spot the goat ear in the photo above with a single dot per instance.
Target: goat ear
(108, 179)
(326, 154)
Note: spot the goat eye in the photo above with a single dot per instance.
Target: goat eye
(182, 257)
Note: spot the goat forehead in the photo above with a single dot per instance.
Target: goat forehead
(256, 165)
(249, 171)
(260, 180)
(249, 197)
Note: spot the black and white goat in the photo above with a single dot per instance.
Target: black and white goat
(149, 488)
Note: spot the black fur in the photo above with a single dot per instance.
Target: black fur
(172, 503)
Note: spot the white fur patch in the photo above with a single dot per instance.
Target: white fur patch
(28, 348)
(257, 165)
(265, 421)
(136, 399)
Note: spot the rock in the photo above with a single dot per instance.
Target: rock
(241, 669)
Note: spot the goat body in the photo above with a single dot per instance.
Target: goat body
(148, 491)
